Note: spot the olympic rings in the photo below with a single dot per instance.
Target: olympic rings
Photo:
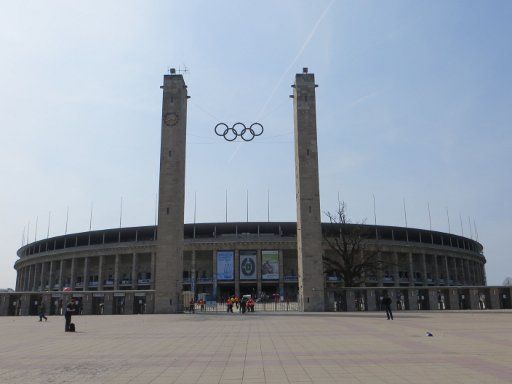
(230, 134)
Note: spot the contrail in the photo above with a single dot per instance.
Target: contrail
(299, 54)
(301, 50)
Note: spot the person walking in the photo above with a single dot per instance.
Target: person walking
(41, 310)
(386, 302)
(70, 310)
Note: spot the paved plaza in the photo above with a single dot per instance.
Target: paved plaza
(467, 347)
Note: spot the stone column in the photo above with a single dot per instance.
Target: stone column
(50, 276)
(86, 274)
(473, 298)
(494, 296)
(454, 299)
(413, 299)
(281, 273)
(134, 271)
(424, 266)
(411, 270)
(237, 271)
(153, 264)
(73, 277)
(396, 278)
(100, 273)
(61, 273)
(214, 273)
(349, 297)
(455, 273)
(258, 272)
(309, 229)
(193, 281)
(371, 300)
(171, 205)
(116, 272)
(34, 278)
(380, 274)
(436, 269)
(43, 282)
(447, 269)
(432, 299)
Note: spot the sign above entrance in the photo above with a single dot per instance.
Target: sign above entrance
(225, 265)
(247, 265)
(270, 265)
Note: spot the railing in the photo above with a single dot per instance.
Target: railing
(221, 307)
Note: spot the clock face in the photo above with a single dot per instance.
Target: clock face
(171, 119)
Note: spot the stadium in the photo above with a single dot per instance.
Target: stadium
(156, 269)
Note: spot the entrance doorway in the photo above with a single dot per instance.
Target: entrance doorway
(98, 304)
(139, 305)
(118, 305)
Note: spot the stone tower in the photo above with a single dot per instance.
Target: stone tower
(309, 229)
(171, 204)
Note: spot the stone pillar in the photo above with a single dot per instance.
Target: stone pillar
(447, 269)
(42, 280)
(61, 273)
(214, 274)
(380, 274)
(258, 273)
(108, 304)
(25, 305)
(171, 205)
(100, 273)
(473, 298)
(424, 266)
(4, 304)
(463, 269)
(50, 276)
(153, 266)
(494, 296)
(128, 303)
(87, 304)
(116, 272)
(349, 297)
(281, 273)
(33, 267)
(73, 278)
(371, 300)
(86, 275)
(396, 278)
(432, 299)
(134, 271)
(411, 270)
(193, 281)
(436, 269)
(237, 272)
(413, 299)
(309, 230)
(454, 299)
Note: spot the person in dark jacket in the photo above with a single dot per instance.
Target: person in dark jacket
(70, 310)
(386, 302)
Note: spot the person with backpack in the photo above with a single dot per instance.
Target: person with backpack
(70, 310)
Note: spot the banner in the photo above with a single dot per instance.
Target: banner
(247, 265)
(225, 265)
(269, 265)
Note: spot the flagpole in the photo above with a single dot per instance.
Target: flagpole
(226, 205)
(247, 204)
(461, 227)
(195, 205)
(429, 217)
(121, 213)
(90, 217)
(448, 217)
(35, 231)
(48, 229)
(405, 213)
(67, 219)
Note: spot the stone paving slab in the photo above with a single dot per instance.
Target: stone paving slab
(467, 347)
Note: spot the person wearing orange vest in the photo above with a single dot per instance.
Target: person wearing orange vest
(230, 305)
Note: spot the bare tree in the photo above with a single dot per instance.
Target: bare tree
(351, 257)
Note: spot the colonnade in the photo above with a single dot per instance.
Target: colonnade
(88, 272)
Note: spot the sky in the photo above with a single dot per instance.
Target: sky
(414, 105)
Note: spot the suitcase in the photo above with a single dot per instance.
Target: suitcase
(72, 327)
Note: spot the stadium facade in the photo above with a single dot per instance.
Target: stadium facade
(146, 269)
